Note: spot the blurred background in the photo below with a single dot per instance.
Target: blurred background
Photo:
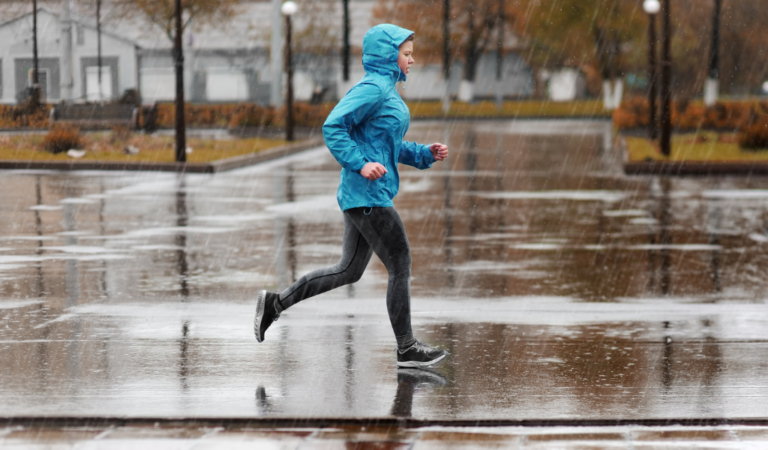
(561, 50)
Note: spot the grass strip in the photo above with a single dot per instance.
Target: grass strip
(695, 147)
(152, 148)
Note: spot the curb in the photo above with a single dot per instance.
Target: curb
(221, 165)
(385, 422)
(694, 168)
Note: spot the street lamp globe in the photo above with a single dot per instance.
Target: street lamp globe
(651, 6)
(289, 8)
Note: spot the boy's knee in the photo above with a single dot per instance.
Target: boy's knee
(355, 272)
(355, 276)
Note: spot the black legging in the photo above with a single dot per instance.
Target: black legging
(367, 230)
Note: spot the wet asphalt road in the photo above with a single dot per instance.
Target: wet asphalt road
(562, 288)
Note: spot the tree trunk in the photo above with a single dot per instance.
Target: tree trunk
(467, 86)
(618, 92)
(466, 91)
(607, 95)
(446, 55)
(181, 132)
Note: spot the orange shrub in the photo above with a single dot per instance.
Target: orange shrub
(18, 116)
(634, 112)
(312, 116)
(61, 138)
(223, 115)
(253, 116)
(200, 115)
(726, 116)
(687, 116)
(754, 135)
(729, 116)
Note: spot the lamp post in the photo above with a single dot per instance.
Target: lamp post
(346, 47)
(288, 9)
(666, 80)
(652, 8)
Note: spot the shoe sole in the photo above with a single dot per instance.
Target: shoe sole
(259, 315)
(418, 364)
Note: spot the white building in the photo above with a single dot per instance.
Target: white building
(226, 63)
(119, 59)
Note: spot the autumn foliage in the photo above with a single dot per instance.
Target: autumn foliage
(62, 138)
(749, 118)
(161, 13)
(311, 116)
(755, 133)
(253, 116)
(236, 115)
(21, 117)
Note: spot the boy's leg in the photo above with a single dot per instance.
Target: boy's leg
(355, 255)
(385, 233)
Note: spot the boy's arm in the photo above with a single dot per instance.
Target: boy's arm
(416, 155)
(355, 108)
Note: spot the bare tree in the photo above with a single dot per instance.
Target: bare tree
(473, 29)
(162, 12)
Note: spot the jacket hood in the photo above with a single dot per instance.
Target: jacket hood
(381, 47)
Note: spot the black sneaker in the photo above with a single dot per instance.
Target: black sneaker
(420, 355)
(267, 311)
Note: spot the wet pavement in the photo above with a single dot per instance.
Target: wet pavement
(384, 438)
(563, 289)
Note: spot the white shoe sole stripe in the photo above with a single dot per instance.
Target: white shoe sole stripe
(259, 315)
(418, 364)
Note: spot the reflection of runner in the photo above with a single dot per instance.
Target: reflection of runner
(408, 382)
(365, 134)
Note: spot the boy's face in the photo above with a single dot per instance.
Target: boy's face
(405, 58)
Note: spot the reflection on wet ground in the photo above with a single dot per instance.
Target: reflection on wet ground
(562, 288)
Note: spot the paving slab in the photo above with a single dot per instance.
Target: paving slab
(564, 290)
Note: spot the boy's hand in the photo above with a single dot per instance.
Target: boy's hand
(373, 171)
(439, 151)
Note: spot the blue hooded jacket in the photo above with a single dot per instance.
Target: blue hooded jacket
(369, 123)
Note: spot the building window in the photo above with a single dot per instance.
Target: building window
(95, 91)
(225, 84)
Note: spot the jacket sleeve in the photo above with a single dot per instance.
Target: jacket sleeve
(416, 155)
(355, 108)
